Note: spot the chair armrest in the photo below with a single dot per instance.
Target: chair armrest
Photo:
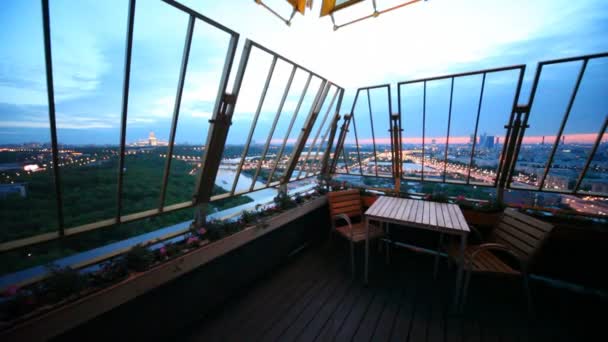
(348, 221)
(343, 217)
(496, 247)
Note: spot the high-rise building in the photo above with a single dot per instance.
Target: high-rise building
(152, 139)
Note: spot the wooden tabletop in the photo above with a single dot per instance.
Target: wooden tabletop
(444, 217)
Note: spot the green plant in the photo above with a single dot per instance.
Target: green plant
(109, 272)
(61, 283)
(139, 258)
(283, 202)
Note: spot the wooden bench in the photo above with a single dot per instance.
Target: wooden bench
(516, 234)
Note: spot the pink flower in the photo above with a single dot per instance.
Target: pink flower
(202, 231)
(163, 251)
(428, 197)
(192, 240)
(460, 198)
(10, 291)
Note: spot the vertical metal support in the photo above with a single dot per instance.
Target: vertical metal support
(423, 130)
(308, 125)
(176, 108)
(352, 113)
(274, 126)
(340, 146)
(306, 166)
(253, 124)
(508, 133)
(447, 137)
(314, 166)
(50, 90)
(515, 129)
(219, 126)
(291, 123)
(125, 108)
(371, 120)
(563, 124)
(483, 83)
(332, 134)
(395, 130)
(596, 144)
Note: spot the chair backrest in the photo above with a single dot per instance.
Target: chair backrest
(346, 202)
(522, 233)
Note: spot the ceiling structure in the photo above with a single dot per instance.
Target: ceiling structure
(329, 7)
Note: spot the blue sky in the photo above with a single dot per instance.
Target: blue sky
(426, 39)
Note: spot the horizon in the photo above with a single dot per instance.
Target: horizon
(88, 59)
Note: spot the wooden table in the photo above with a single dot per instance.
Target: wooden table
(440, 217)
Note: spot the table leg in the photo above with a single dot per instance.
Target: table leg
(366, 250)
(463, 241)
(388, 244)
(437, 256)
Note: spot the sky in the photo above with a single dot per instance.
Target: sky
(422, 40)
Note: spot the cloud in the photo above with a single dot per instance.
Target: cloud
(200, 114)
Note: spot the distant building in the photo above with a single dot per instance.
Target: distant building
(152, 139)
(486, 142)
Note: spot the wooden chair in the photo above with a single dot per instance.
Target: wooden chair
(344, 206)
(516, 234)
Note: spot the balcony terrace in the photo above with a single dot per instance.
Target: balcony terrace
(177, 187)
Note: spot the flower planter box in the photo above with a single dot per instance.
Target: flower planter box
(62, 318)
(481, 218)
(368, 200)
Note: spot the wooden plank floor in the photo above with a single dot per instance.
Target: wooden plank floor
(314, 298)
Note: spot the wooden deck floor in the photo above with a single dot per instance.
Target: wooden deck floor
(313, 298)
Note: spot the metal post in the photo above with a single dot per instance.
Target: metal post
(50, 91)
(293, 119)
(447, 137)
(176, 108)
(330, 141)
(483, 83)
(340, 145)
(314, 141)
(508, 133)
(253, 124)
(219, 124)
(274, 126)
(355, 130)
(563, 124)
(598, 140)
(423, 130)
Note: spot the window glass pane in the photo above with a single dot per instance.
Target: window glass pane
(379, 98)
(88, 77)
(363, 126)
(263, 127)
(154, 78)
(411, 123)
(205, 67)
(496, 108)
(462, 128)
(316, 159)
(27, 192)
(298, 124)
(436, 127)
(581, 130)
(314, 138)
(257, 70)
(554, 88)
